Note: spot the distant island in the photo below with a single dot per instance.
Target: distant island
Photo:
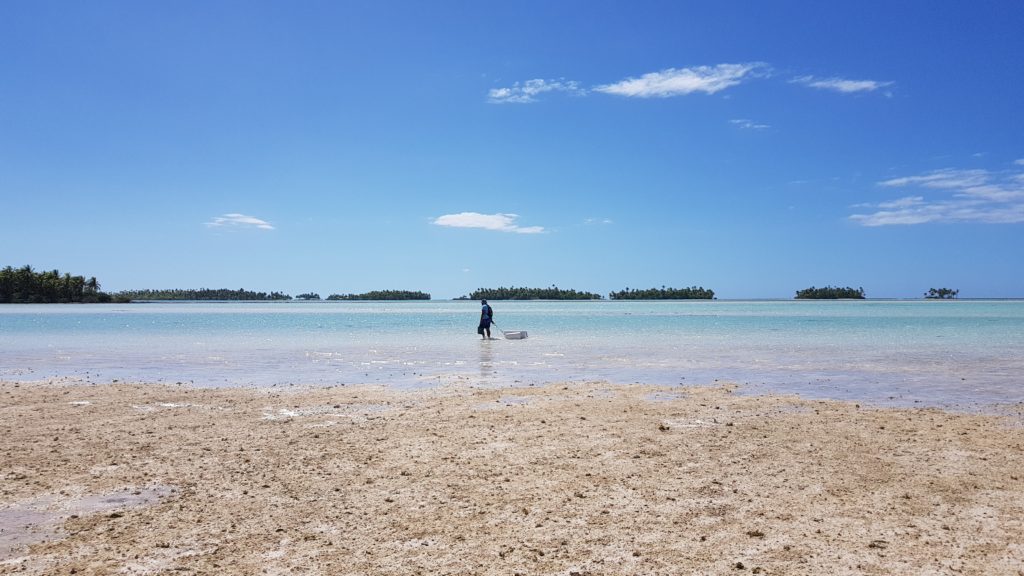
(382, 295)
(552, 293)
(941, 294)
(692, 293)
(27, 286)
(200, 294)
(830, 293)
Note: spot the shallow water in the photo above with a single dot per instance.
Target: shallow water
(902, 352)
(39, 519)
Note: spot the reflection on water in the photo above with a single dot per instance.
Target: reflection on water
(487, 368)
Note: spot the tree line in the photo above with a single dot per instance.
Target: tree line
(941, 294)
(382, 295)
(513, 293)
(200, 294)
(829, 293)
(691, 293)
(26, 286)
(555, 293)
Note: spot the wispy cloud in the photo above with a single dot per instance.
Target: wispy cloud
(841, 84)
(682, 81)
(901, 203)
(745, 124)
(526, 92)
(978, 196)
(946, 178)
(496, 222)
(594, 221)
(239, 221)
(1019, 162)
(678, 82)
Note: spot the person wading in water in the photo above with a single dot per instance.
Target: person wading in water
(486, 313)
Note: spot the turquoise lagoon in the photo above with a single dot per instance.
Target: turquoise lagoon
(944, 353)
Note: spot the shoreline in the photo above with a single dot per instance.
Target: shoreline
(591, 478)
(826, 391)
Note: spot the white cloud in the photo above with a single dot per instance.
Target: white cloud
(994, 192)
(945, 178)
(894, 217)
(679, 82)
(1019, 162)
(976, 196)
(745, 124)
(239, 221)
(526, 92)
(907, 202)
(841, 84)
(496, 222)
(948, 212)
(592, 221)
(682, 81)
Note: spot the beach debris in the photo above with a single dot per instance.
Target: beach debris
(15, 475)
(353, 411)
(159, 405)
(696, 423)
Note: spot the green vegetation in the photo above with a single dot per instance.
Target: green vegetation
(308, 296)
(691, 293)
(829, 293)
(552, 293)
(941, 293)
(382, 295)
(27, 286)
(201, 294)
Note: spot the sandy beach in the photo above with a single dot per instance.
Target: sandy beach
(572, 479)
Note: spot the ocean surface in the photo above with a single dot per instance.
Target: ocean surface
(936, 353)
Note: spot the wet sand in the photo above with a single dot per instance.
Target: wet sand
(563, 479)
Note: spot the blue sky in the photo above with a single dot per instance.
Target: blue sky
(754, 148)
